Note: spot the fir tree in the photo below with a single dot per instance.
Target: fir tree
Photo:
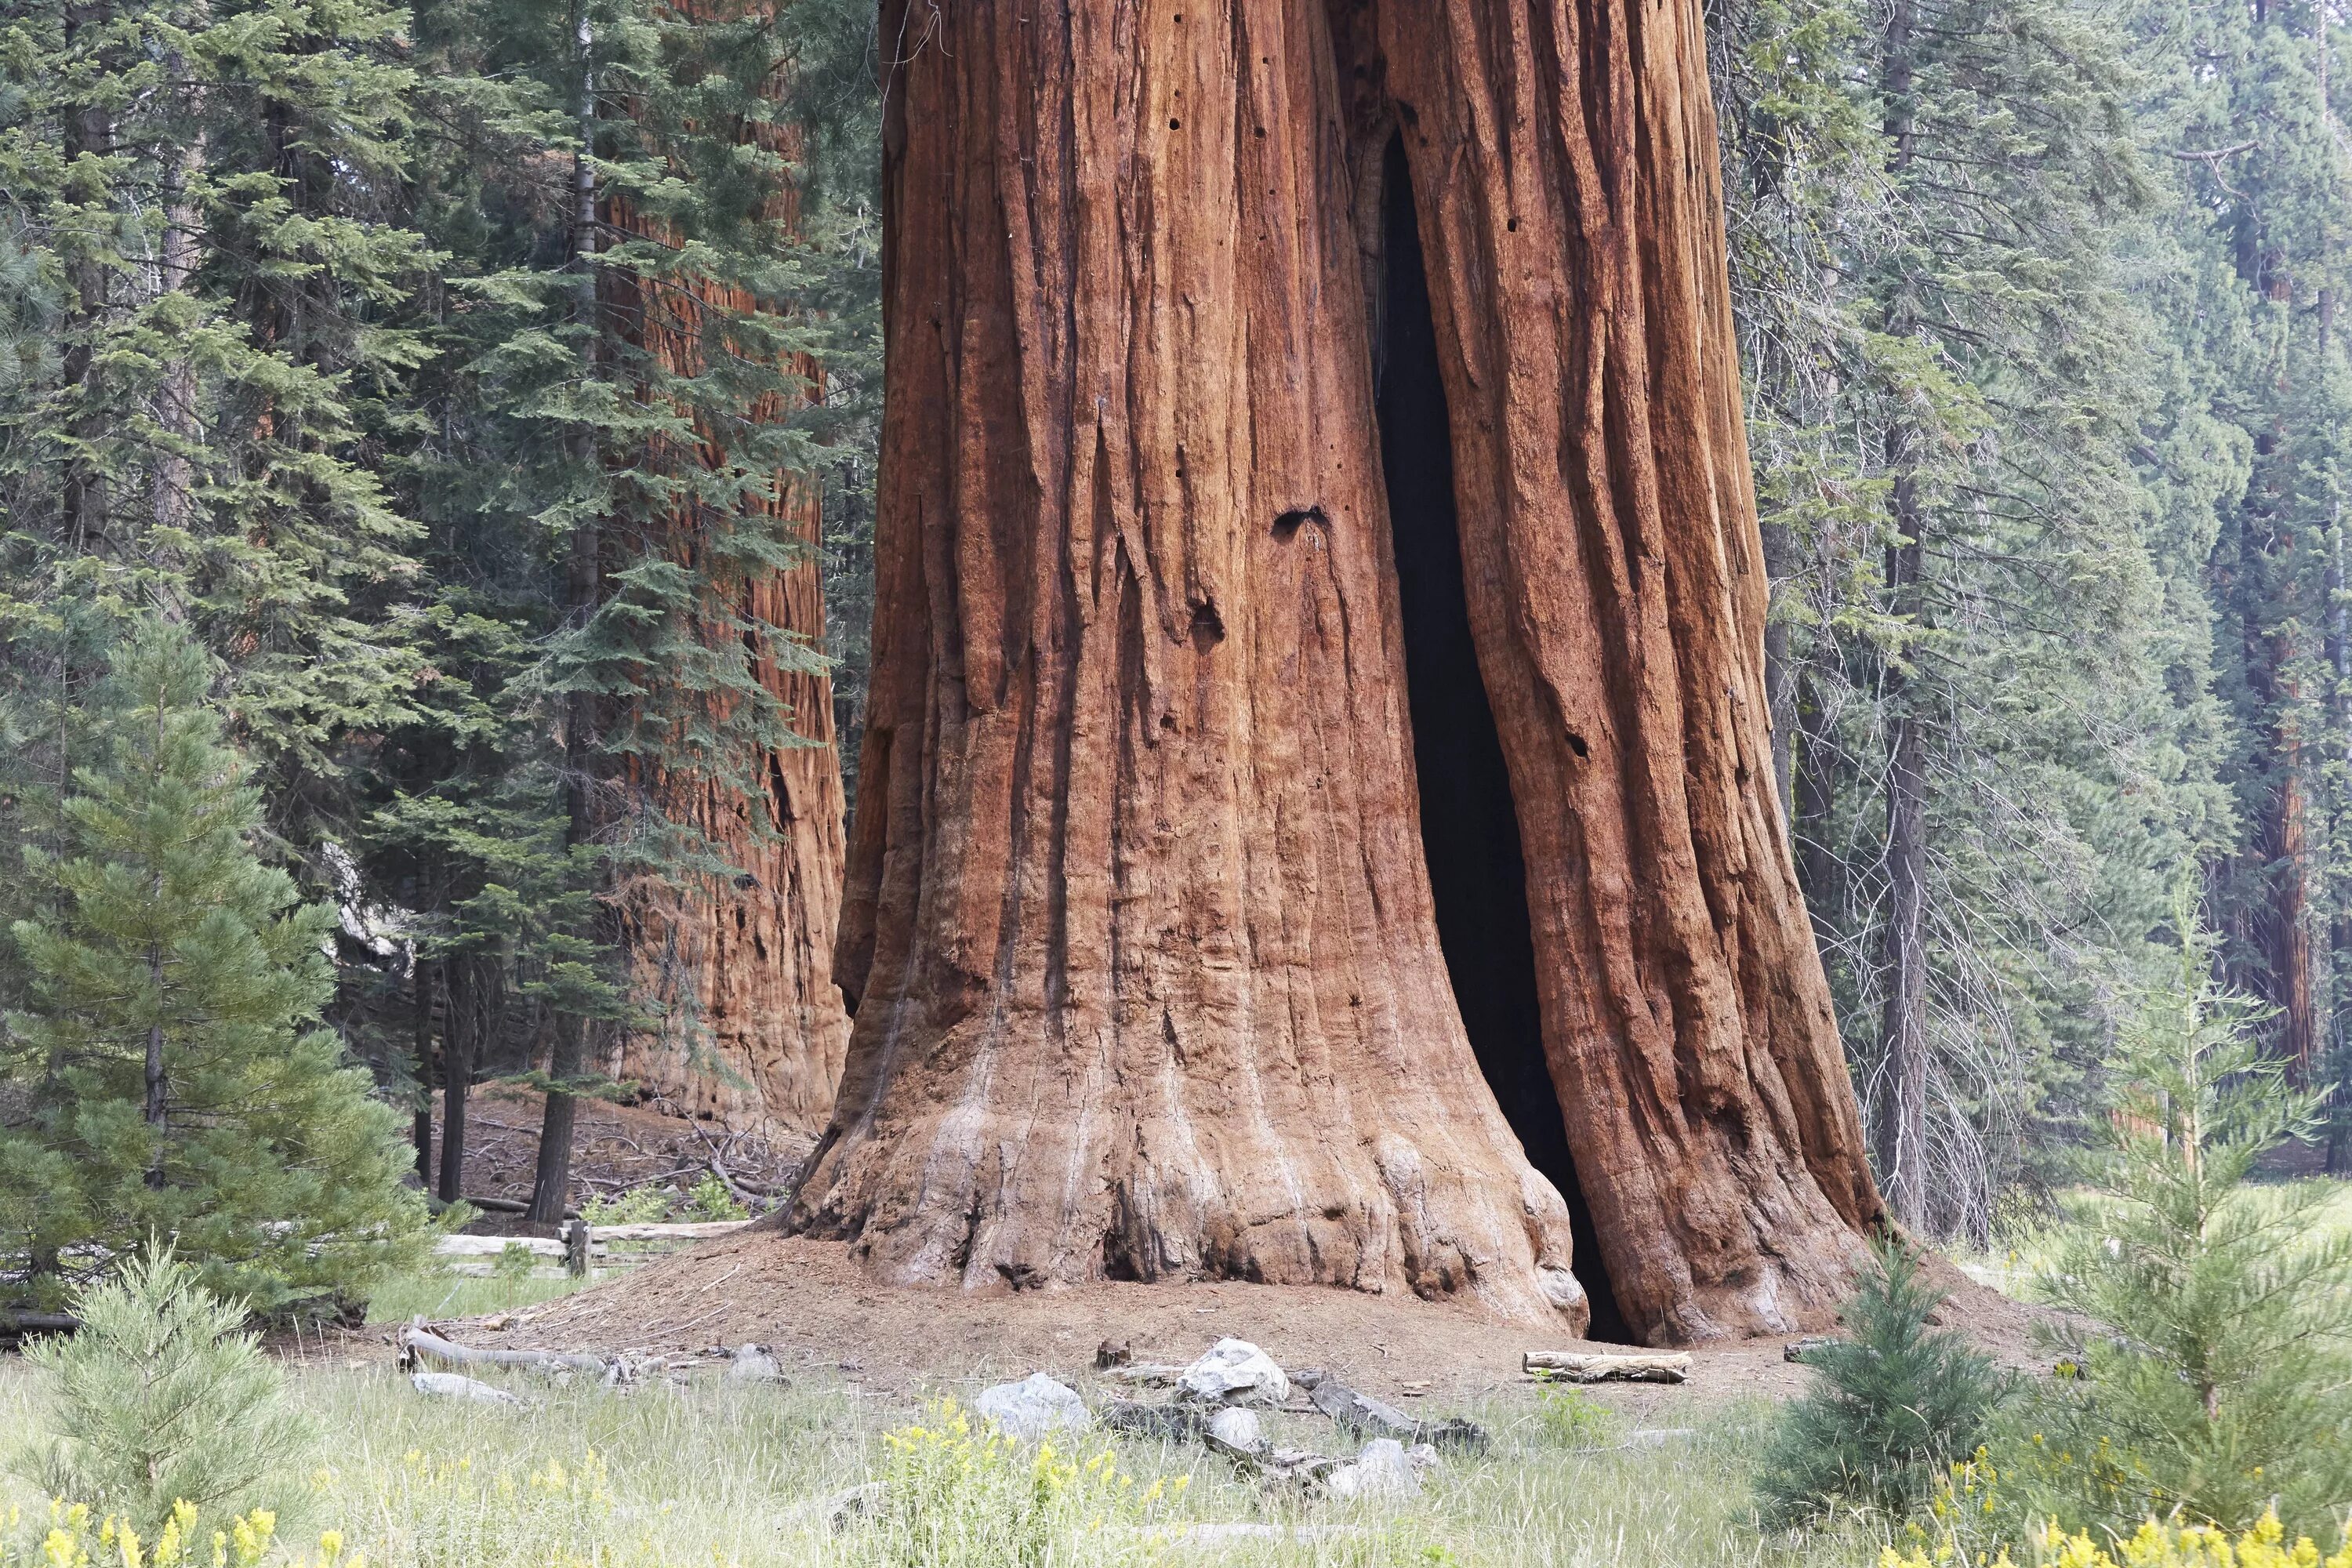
(1893, 1405)
(2214, 1380)
(165, 1077)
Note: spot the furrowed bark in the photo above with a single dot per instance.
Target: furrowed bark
(1139, 911)
(741, 966)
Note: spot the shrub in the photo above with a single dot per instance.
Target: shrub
(162, 1399)
(1571, 1418)
(1892, 1405)
(710, 1200)
(2208, 1366)
(77, 1537)
(637, 1205)
(2263, 1544)
(952, 1496)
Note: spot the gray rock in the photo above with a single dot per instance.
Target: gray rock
(1237, 1427)
(1032, 1407)
(1383, 1470)
(753, 1364)
(452, 1385)
(1235, 1371)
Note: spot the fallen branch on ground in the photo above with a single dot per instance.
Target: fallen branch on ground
(419, 1344)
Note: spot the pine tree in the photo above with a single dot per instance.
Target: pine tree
(165, 1077)
(1892, 1404)
(1968, 426)
(2216, 1341)
(162, 1396)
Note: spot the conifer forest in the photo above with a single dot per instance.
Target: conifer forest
(716, 715)
(485, 599)
(487, 397)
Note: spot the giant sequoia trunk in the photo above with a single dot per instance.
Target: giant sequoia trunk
(1320, 607)
(740, 966)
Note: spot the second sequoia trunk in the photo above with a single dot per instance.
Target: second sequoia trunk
(1316, 820)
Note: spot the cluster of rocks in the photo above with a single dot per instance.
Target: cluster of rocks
(1215, 1402)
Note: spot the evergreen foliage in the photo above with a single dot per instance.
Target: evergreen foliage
(164, 1397)
(1892, 1404)
(2213, 1385)
(166, 1075)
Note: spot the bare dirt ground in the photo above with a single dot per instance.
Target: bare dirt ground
(819, 1313)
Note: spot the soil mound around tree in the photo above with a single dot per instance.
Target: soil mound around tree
(818, 1312)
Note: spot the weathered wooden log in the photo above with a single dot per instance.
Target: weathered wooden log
(15, 1322)
(419, 1344)
(1359, 1415)
(1146, 1374)
(1568, 1366)
(1802, 1349)
(495, 1245)
(700, 1230)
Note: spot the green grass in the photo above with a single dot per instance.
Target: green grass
(2014, 1261)
(709, 1474)
(439, 1295)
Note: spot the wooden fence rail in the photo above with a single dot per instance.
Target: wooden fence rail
(582, 1247)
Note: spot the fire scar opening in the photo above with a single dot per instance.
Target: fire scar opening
(1469, 826)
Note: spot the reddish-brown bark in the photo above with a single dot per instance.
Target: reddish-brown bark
(739, 967)
(1139, 917)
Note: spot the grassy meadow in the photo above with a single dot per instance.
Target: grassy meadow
(711, 1474)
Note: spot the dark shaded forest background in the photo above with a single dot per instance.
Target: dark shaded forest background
(324, 336)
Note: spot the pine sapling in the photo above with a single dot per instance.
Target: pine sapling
(162, 1396)
(1892, 1404)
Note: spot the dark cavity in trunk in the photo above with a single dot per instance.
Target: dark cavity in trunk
(1469, 826)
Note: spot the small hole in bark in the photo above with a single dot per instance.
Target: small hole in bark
(1175, 125)
(1291, 522)
(1261, 132)
(1513, 226)
(1576, 743)
(1469, 822)
(1208, 626)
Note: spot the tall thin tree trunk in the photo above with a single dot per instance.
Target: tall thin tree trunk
(421, 1052)
(1139, 916)
(1781, 672)
(552, 1178)
(1901, 1121)
(461, 1042)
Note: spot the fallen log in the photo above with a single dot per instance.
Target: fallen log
(1799, 1350)
(496, 1246)
(699, 1230)
(419, 1344)
(1361, 1416)
(1146, 1374)
(1568, 1366)
(15, 1322)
